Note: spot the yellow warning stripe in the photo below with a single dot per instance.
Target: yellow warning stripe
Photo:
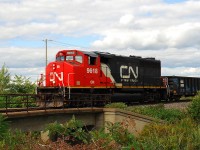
(124, 87)
(103, 87)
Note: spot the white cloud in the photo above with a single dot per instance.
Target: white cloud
(181, 71)
(126, 19)
(169, 32)
(167, 26)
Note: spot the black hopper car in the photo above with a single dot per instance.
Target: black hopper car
(179, 86)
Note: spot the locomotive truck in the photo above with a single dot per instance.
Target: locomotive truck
(95, 78)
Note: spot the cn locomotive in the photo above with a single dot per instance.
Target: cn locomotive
(95, 78)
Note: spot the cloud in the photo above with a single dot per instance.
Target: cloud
(16, 57)
(181, 71)
(126, 19)
(167, 26)
(153, 28)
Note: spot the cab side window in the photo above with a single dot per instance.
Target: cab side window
(79, 59)
(91, 60)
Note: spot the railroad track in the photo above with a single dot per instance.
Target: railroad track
(181, 105)
(162, 102)
(178, 105)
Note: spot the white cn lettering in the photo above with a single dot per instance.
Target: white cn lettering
(55, 75)
(130, 71)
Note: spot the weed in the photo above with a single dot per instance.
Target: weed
(182, 135)
(117, 105)
(71, 131)
(115, 135)
(159, 112)
(194, 108)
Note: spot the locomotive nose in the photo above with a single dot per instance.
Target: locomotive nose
(54, 74)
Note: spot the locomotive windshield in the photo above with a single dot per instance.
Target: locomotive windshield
(69, 58)
(78, 59)
(60, 58)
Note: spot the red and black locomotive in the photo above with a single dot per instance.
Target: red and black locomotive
(82, 77)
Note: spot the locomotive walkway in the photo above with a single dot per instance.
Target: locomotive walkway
(36, 120)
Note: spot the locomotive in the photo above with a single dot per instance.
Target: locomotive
(95, 78)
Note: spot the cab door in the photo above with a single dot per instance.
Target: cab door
(92, 71)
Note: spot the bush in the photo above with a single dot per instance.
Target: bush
(72, 131)
(194, 108)
(182, 135)
(55, 130)
(15, 140)
(4, 127)
(115, 136)
(75, 132)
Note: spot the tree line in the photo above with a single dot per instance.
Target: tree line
(16, 84)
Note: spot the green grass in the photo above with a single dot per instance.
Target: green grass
(156, 111)
(119, 105)
(159, 112)
(182, 135)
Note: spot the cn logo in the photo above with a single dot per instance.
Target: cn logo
(129, 70)
(55, 75)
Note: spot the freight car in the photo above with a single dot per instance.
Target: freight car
(84, 78)
(179, 86)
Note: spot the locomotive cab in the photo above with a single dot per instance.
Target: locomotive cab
(74, 68)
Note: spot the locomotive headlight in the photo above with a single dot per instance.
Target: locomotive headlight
(175, 92)
(54, 66)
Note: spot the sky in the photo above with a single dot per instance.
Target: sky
(168, 30)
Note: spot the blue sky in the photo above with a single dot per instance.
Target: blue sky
(165, 29)
(174, 1)
(84, 41)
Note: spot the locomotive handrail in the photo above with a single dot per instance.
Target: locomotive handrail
(68, 77)
(15, 102)
(41, 81)
(28, 102)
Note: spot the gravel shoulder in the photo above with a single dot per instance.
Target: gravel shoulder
(180, 105)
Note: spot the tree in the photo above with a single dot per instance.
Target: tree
(21, 84)
(4, 79)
